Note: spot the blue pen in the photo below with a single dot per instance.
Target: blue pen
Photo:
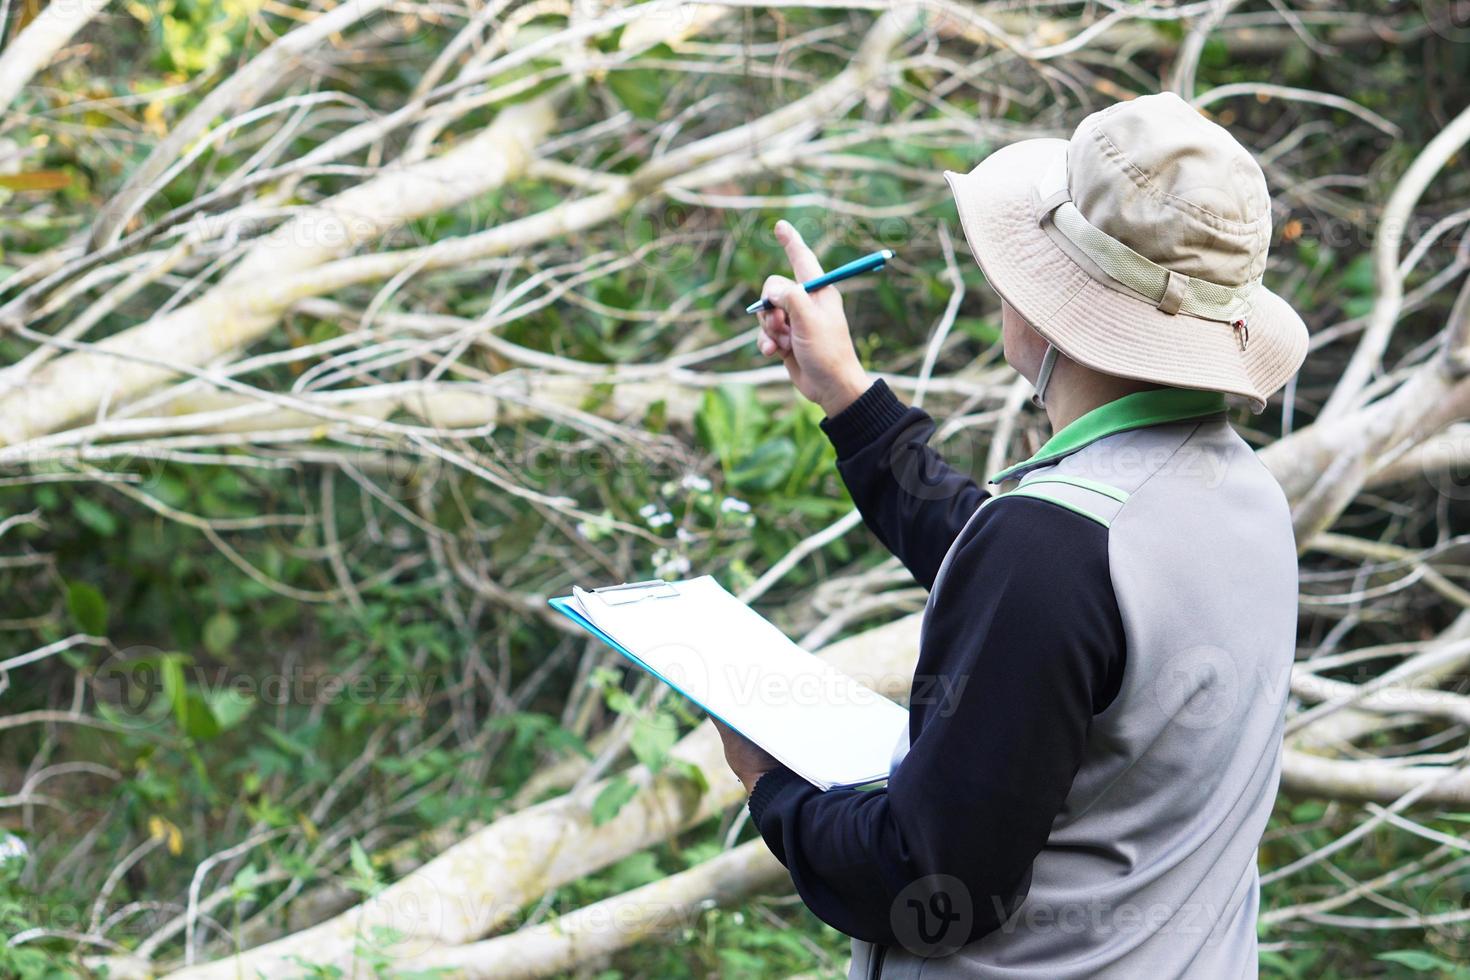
(868, 263)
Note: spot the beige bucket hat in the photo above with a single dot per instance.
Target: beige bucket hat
(1136, 248)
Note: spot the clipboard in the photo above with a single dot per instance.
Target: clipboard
(730, 661)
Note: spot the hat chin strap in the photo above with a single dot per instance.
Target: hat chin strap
(1043, 376)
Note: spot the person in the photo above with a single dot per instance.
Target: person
(1116, 632)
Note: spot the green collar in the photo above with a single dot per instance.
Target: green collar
(1153, 407)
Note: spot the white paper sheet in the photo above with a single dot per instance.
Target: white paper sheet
(819, 722)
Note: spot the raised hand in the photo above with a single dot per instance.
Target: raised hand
(808, 331)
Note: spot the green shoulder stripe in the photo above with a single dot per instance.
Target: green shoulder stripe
(1042, 493)
(1121, 496)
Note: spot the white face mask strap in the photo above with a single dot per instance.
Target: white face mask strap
(1048, 361)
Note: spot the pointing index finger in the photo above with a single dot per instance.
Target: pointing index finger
(803, 260)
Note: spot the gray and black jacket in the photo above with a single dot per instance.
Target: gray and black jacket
(1095, 734)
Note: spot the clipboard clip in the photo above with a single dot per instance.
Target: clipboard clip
(628, 592)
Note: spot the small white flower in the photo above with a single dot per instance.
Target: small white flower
(660, 519)
(684, 535)
(595, 529)
(734, 505)
(12, 848)
(670, 566)
(647, 510)
(693, 481)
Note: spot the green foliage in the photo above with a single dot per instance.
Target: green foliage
(233, 654)
(762, 454)
(87, 607)
(532, 733)
(651, 734)
(638, 90)
(1422, 962)
(364, 878)
(195, 35)
(613, 797)
(20, 910)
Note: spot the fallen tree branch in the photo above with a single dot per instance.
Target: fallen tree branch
(1388, 279)
(35, 46)
(239, 310)
(613, 924)
(452, 900)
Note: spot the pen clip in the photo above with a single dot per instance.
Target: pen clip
(628, 592)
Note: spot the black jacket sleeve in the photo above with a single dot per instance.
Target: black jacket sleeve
(908, 495)
(1022, 645)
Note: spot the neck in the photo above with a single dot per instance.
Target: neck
(1075, 390)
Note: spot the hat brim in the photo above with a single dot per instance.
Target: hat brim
(1097, 325)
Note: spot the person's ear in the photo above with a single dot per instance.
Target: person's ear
(1024, 348)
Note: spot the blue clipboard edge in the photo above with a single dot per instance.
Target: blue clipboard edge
(565, 606)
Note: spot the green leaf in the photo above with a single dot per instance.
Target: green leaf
(194, 715)
(692, 773)
(245, 883)
(614, 796)
(286, 743)
(94, 516)
(652, 738)
(639, 90)
(729, 421)
(1357, 279)
(228, 707)
(364, 878)
(175, 690)
(198, 720)
(220, 631)
(1308, 812)
(1215, 54)
(361, 863)
(87, 607)
(1422, 962)
(635, 871)
(766, 468)
(981, 328)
